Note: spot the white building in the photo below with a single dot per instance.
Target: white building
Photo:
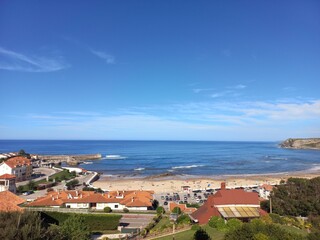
(132, 200)
(8, 183)
(20, 167)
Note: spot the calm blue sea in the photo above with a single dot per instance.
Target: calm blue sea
(145, 158)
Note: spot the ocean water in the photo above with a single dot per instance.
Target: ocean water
(146, 158)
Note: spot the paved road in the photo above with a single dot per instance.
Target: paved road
(41, 193)
(45, 171)
(136, 220)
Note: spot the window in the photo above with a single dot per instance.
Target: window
(116, 206)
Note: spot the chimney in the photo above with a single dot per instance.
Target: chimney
(132, 199)
(76, 193)
(223, 186)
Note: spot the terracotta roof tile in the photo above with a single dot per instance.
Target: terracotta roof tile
(9, 202)
(140, 198)
(18, 161)
(7, 176)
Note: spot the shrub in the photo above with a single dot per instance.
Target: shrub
(201, 234)
(160, 210)
(107, 210)
(125, 210)
(233, 224)
(217, 222)
(276, 218)
(176, 210)
(183, 219)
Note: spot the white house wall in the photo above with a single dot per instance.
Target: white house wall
(101, 206)
(77, 205)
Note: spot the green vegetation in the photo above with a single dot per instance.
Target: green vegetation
(155, 204)
(24, 154)
(34, 226)
(193, 205)
(258, 229)
(125, 210)
(107, 210)
(160, 210)
(298, 197)
(95, 222)
(189, 234)
(72, 184)
(63, 175)
(23, 226)
(176, 210)
(201, 234)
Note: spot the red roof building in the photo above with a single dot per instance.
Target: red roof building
(133, 200)
(21, 167)
(8, 183)
(183, 208)
(229, 203)
(9, 202)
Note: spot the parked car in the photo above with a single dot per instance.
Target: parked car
(27, 193)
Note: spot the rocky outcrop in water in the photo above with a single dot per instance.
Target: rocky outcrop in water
(70, 159)
(301, 143)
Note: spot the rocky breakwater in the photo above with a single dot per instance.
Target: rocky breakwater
(301, 143)
(69, 159)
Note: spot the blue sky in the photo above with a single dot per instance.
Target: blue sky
(160, 70)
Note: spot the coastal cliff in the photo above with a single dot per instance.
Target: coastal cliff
(301, 143)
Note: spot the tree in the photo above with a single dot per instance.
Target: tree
(217, 222)
(72, 184)
(176, 210)
(233, 224)
(74, 228)
(31, 185)
(160, 210)
(201, 234)
(155, 204)
(23, 226)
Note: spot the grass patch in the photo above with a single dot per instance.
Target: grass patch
(163, 224)
(63, 175)
(188, 235)
(95, 222)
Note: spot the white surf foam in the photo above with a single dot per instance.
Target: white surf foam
(186, 167)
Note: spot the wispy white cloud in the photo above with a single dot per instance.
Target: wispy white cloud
(199, 90)
(109, 59)
(239, 86)
(14, 61)
(221, 94)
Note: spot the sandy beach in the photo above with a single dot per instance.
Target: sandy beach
(174, 183)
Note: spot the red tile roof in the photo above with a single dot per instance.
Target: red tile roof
(7, 176)
(267, 187)
(9, 202)
(235, 196)
(183, 207)
(18, 161)
(127, 198)
(224, 197)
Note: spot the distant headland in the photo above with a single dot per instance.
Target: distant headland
(301, 143)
